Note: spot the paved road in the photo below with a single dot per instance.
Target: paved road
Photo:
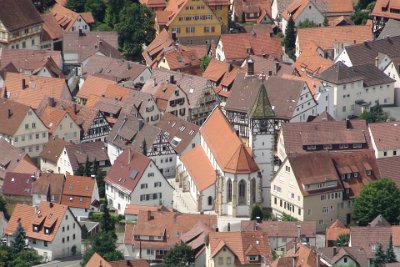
(68, 262)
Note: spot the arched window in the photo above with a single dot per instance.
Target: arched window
(242, 192)
(253, 190)
(229, 191)
(210, 201)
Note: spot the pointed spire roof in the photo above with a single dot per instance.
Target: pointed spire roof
(241, 161)
(262, 107)
(339, 73)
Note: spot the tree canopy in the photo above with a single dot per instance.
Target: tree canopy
(135, 29)
(290, 38)
(378, 197)
(256, 211)
(376, 114)
(342, 240)
(76, 5)
(204, 61)
(180, 255)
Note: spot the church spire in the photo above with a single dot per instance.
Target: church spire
(262, 107)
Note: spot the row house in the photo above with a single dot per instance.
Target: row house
(356, 89)
(51, 229)
(224, 164)
(59, 156)
(178, 17)
(17, 188)
(135, 179)
(200, 93)
(81, 195)
(156, 232)
(13, 159)
(321, 174)
(23, 28)
(22, 127)
(170, 98)
(253, 11)
(97, 260)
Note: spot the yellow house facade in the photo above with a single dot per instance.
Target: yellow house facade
(193, 21)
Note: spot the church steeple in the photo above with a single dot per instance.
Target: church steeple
(262, 107)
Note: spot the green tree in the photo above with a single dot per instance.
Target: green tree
(100, 183)
(342, 240)
(326, 22)
(81, 170)
(256, 211)
(29, 257)
(113, 11)
(379, 259)
(107, 223)
(204, 61)
(390, 256)
(363, 4)
(179, 256)
(378, 197)
(88, 167)
(376, 114)
(3, 207)
(144, 147)
(135, 29)
(97, 7)
(290, 38)
(288, 218)
(76, 5)
(19, 239)
(103, 243)
(307, 24)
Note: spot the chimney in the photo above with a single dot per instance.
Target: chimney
(149, 217)
(23, 84)
(75, 108)
(376, 62)
(230, 67)
(348, 123)
(51, 205)
(172, 79)
(250, 67)
(334, 251)
(277, 67)
(154, 82)
(80, 33)
(174, 38)
(9, 113)
(294, 261)
(129, 155)
(51, 102)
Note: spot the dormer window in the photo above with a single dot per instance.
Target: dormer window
(327, 147)
(355, 175)
(253, 258)
(357, 145)
(343, 146)
(369, 172)
(47, 231)
(35, 228)
(313, 147)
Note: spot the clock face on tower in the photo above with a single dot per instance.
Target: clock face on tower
(263, 125)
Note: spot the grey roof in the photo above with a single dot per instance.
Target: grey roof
(372, 75)
(391, 29)
(192, 85)
(358, 254)
(136, 101)
(124, 130)
(90, 43)
(283, 94)
(282, 5)
(118, 69)
(366, 52)
(17, 14)
(79, 153)
(339, 73)
(379, 221)
(148, 133)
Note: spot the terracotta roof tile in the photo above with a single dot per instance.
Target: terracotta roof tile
(52, 117)
(386, 5)
(327, 37)
(156, 47)
(78, 191)
(335, 230)
(306, 257)
(51, 29)
(51, 214)
(199, 168)
(390, 167)
(282, 229)
(12, 114)
(236, 45)
(94, 86)
(29, 59)
(310, 61)
(36, 88)
(385, 135)
(366, 237)
(66, 18)
(134, 209)
(79, 153)
(225, 145)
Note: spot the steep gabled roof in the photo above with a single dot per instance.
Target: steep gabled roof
(225, 145)
(12, 115)
(339, 73)
(15, 14)
(262, 107)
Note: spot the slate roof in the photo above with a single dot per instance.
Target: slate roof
(366, 52)
(52, 150)
(390, 167)
(17, 14)
(124, 130)
(79, 153)
(391, 29)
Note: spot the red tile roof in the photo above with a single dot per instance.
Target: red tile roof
(94, 86)
(385, 135)
(383, 9)
(227, 148)
(127, 170)
(78, 191)
(47, 214)
(134, 209)
(236, 45)
(12, 114)
(336, 229)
